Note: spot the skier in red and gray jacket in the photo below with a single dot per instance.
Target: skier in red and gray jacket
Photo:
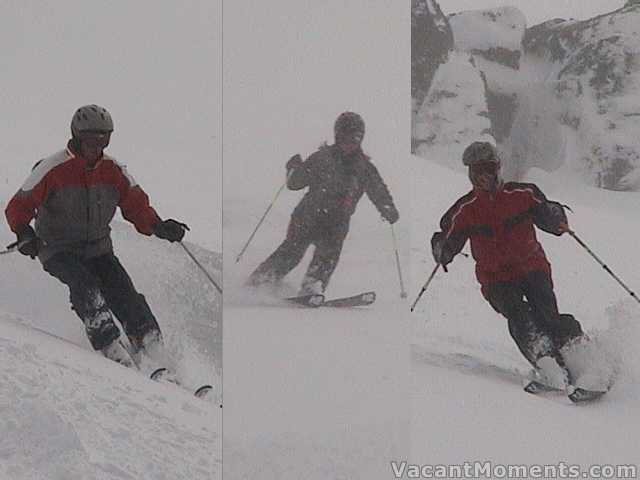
(73, 195)
(511, 266)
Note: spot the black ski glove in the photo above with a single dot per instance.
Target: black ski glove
(28, 242)
(442, 254)
(552, 218)
(294, 162)
(171, 230)
(390, 213)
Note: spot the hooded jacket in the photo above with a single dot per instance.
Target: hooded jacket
(74, 204)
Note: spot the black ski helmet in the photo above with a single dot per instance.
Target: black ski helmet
(91, 117)
(348, 123)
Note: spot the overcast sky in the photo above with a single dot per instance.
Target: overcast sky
(155, 67)
(539, 10)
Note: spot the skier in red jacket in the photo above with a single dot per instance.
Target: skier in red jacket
(73, 195)
(514, 273)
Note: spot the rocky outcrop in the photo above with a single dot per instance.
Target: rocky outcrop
(431, 43)
(594, 70)
(494, 38)
(495, 34)
(454, 113)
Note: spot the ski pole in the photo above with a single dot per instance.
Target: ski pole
(204, 270)
(426, 285)
(606, 268)
(403, 293)
(260, 222)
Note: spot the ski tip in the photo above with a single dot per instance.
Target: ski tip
(157, 373)
(203, 391)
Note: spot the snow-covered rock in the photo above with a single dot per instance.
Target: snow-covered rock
(494, 38)
(431, 42)
(593, 70)
(454, 112)
(495, 34)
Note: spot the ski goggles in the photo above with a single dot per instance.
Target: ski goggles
(354, 136)
(485, 167)
(94, 138)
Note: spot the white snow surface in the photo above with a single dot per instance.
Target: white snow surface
(501, 27)
(314, 394)
(466, 393)
(66, 412)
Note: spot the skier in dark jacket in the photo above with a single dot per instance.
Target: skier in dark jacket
(336, 176)
(498, 218)
(73, 195)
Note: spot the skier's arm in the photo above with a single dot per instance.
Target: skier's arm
(551, 217)
(23, 206)
(547, 215)
(300, 173)
(379, 194)
(134, 204)
(446, 244)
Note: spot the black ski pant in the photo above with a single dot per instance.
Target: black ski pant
(530, 307)
(326, 234)
(98, 287)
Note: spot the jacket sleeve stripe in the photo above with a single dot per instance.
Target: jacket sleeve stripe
(535, 193)
(454, 213)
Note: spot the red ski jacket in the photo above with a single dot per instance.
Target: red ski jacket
(500, 226)
(73, 205)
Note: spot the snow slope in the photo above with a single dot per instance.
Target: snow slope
(68, 413)
(466, 396)
(313, 394)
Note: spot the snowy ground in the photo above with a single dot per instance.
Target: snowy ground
(316, 393)
(313, 394)
(68, 413)
(466, 397)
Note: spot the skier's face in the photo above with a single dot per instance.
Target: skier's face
(349, 142)
(92, 144)
(485, 175)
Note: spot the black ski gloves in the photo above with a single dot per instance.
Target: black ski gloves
(27, 242)
(293, 163)
(551, 217)
(390, 213)
(171, 230)
(442, 253)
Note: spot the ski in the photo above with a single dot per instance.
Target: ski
(534, 387)
(318, 300)
(360, 300)
(583, 395)
(313, 300)
(164, 375)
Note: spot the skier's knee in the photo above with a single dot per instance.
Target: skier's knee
(568, 328)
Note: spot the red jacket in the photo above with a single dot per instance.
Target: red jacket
(73, 204)
(501, 229)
